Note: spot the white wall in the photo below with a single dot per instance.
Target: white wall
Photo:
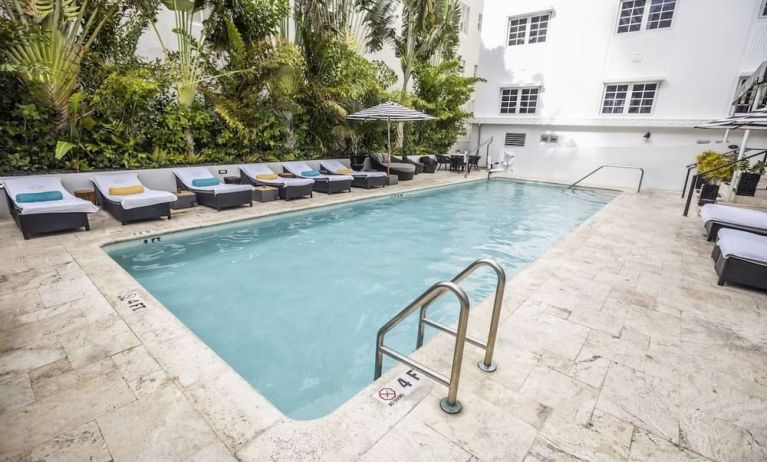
(581, 150)
(698, 60)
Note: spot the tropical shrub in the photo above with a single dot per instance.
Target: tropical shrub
(443, 92)
(241, 90)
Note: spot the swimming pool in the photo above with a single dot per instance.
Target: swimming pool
(293, 302)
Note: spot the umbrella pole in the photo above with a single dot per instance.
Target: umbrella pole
(388, 140)
(736, 174)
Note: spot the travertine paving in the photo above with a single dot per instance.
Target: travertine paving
(616, 345)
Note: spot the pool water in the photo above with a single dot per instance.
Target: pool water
(293, 302)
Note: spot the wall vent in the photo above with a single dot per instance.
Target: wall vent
(515, 139)
(549, 138)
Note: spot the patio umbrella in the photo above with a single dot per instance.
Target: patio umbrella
(389, 111)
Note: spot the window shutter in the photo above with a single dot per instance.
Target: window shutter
(515, 139)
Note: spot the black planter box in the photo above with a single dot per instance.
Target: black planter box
(701, 181)
(708, 194)
(747, 184)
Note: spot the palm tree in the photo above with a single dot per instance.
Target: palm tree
(429, 34)
(52, 58)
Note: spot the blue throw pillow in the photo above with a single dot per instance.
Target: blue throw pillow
(200, 182)
(44, 196)
(310, 173)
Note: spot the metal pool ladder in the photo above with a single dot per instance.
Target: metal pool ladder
(451, 405)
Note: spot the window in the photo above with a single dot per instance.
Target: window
(479, 22)
(509, 101)
(539, 25)
(515, 139)
(528, 101)
(631, 16)
(519, 100)
(640, 98)
(764, 9)
(661, 13)
(529, 29)
(744, 104)
(517, 31)
(634, 13)
(549, 138)
(465, 16)
(615, 99)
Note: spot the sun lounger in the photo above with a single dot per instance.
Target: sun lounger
(360, 179)
(716, 217)
(40, 204)
(404, 172)
(210, 191)
(741, 258)
(262, 175)
(329, 184)
(127, 199)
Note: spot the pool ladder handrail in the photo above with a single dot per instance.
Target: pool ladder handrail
(451, 405)
(625, 167)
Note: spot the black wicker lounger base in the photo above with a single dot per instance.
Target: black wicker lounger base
(286, 192)
(125, 216)
(219, 201)
(736, 270)
(713, 227)
(332, 187)
(368, 182)
(41, 223)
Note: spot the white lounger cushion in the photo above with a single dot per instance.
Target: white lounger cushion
(334, 166)
(742, 244)
(734, 215)
(296, 168)
(189, 174)
(130, 201)
(253, 170)
(37, 184)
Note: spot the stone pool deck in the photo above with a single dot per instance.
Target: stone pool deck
(616, 345)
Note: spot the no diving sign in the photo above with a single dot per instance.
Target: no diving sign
(392, 392)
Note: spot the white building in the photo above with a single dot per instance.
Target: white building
(574, 85)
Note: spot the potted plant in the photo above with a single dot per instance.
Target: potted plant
(749, 179)
(708, 162)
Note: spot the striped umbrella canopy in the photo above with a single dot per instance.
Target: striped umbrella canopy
(754, 120)
(390, 111)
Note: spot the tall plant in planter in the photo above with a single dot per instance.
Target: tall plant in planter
(749, 178)
(50, 60)
(713, 163)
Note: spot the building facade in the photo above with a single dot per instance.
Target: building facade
(574, 85)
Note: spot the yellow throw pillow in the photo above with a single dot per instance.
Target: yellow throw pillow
(344, 171)
(267, 176)
(126, 190)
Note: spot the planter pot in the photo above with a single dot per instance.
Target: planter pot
(708, 194)
(747, 184)
(701, 181)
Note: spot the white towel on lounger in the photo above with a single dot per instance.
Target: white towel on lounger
(189, 174)
(37, 184)
(742, 244)
(734, 215)
(130, 201)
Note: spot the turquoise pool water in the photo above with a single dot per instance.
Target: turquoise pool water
(293, 302)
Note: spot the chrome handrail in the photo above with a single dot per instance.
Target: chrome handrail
(451, 405)
(487, 363)
(641, 176)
